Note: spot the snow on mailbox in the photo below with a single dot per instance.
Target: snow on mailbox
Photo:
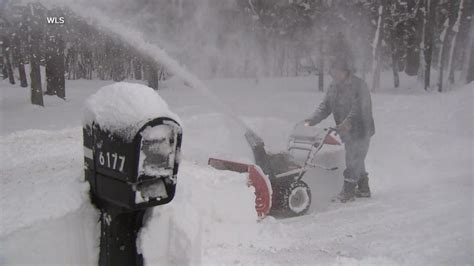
(131, 147)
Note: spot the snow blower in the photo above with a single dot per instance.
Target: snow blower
(277, 178)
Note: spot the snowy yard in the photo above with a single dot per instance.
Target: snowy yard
(420, 165)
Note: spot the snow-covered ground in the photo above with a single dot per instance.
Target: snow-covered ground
(420, 164)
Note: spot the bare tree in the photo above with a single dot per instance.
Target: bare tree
(55, 81)
(115, 53)
(152, 75)
(394, 40)
(468, 68)
(19, 39)
(7, 53)
(455, 30)
(137, 68)
(427, 43)
(377, 47)
(321, 64)
(34, 45)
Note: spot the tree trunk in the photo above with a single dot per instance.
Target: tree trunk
(153, 76)
(71, 62)
(394, 41)
(11, 77)
(468, 68)
(22, 72)
(117, 68)
(34, 45)
(455, 30)
(444, 41)
(428, 40)
(8, 64)
(376, 44)
(17, 60)
(50, 88)
(422, 63)
(396, 78)
(4, 70)
(18, 56)
(321, 65)
(55, 83)
(137, 69)
(88, 66)
(415, 27)
(412, 55)
(35, 74)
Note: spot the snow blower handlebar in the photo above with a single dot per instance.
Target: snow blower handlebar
(313, 145)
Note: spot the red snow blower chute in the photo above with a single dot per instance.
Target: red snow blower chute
(277, 178)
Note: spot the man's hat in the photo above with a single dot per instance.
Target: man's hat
(340, 64)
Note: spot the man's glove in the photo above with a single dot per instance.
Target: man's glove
(309, 122)
(344, 127)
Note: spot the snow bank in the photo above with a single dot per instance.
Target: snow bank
(204, 199)
(211, 207)
(43, 192)
(420, 164)
(71, 239)
(42, 177)
(44, 195)
(365, 261)
(119, 106)
(44, 200)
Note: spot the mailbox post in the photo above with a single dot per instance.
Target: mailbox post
(130, 169)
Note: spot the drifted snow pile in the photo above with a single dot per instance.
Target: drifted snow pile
(118, 107)
(212, 209)
(44, 195)
(38, 168)
(45, 216)
(205, 201)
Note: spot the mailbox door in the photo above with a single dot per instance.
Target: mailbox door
(114, 157)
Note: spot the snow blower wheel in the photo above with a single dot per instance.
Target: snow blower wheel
(293, 199)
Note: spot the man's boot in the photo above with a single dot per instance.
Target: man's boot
(363, 189)
(347, 193)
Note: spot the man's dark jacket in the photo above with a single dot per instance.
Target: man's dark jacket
(348, 100)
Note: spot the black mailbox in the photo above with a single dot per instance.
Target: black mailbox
(132, 144)
(136, 167)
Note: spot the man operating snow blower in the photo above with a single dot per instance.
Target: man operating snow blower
(348, 99)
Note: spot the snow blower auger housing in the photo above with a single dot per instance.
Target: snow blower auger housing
(277, 178)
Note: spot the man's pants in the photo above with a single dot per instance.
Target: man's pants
(356, 151)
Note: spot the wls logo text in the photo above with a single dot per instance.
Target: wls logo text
(55, 20)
